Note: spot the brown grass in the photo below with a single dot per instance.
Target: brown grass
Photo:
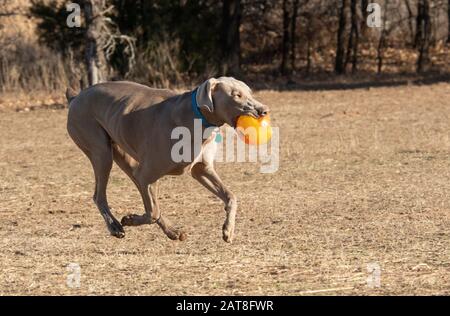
(24, 64)
(364, 178)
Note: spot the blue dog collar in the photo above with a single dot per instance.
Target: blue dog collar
(197, 112)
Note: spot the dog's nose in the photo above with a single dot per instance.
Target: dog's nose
(263, 111)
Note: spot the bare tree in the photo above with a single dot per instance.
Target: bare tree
(353, 41)
(380, 49)
(295, 9)
(95, 57)
(410, 21)
(448, 21)
(102, 36)
(286, 39)
(365, 14)
(382, 40)
(423, 34)
(231, 42)
(309, 32)
(339, 66)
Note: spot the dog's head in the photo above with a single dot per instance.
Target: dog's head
(224, 99)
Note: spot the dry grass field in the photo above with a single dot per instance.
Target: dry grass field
(364, 181)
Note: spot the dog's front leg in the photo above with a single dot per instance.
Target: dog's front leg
(149, 194)
(207, 176)
(152, 213)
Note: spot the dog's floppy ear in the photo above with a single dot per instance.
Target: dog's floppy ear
(204, 94)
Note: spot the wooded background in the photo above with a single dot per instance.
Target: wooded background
(174, 43)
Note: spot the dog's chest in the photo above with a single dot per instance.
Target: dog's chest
(206, 154)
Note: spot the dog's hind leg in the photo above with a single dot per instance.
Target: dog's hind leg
(102, 166)
(129, 166)
(96, 144)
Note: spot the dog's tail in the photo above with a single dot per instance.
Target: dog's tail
(70, 95)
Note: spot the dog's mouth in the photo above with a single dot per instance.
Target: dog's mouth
(253, 114)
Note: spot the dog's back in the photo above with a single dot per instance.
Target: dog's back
(115, 92)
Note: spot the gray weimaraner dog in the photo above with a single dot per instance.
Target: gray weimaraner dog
(132, 125)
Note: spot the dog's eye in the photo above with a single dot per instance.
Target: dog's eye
(237, 95)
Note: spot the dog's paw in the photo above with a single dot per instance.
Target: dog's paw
(170, 230)
(175, 234)
(228, 233)
(135, 220)
(128, 220)
(116, 230)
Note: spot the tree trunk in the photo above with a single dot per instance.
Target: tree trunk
(355, 31)
(410, 21)
(231, 41)
(365, 14)
(353, 40)
(423, 35)
(380, 48)
(448, 21)
(308, 55)
(285, 43)
(339, 66)
(95, 58)
(382, 42)
(349, 48)
(294, 33)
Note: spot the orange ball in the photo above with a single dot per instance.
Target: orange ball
(254, 131)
